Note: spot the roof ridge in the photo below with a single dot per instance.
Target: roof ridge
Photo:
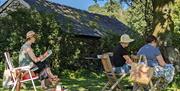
(5, 5)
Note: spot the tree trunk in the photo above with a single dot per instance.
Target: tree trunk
(162, 22)
(163, 26)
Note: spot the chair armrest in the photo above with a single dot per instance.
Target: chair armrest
(109, 53)
(23, 68)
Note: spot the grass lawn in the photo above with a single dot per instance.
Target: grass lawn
(90, 81)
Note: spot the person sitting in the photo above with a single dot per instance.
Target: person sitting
(120, 57)
(27, 57)
(155, 59)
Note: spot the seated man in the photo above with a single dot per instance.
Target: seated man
(120, 57)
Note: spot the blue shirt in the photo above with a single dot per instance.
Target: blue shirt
(151, 53)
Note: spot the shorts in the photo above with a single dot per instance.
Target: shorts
(124, 69)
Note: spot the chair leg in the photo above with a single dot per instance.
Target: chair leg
(105, 86)
(135, 87)
(154, 87)
(32, 81)
(117, 82)
(14, 85)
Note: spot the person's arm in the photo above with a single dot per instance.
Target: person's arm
(160, 60)
(159, 57)
(32, 55)
(128, 59)
(134, 57)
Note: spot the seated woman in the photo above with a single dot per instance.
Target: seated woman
(27, 57)
(155, 59)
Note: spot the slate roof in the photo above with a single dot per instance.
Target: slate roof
(83, 22)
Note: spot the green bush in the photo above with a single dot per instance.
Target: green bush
(69, 51)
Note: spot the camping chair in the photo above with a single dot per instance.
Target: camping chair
(13, 70)
(113, 81)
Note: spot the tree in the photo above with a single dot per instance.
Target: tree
(113, 10)
(157, 20)
(138, 19)
(160, 11)
(176, 19)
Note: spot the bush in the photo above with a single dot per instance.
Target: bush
(69, 51)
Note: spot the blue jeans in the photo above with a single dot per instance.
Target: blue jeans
(123, 69)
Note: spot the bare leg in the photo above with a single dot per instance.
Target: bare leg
(50, 73)
(18, 77)
(43, 85)
(52, 78)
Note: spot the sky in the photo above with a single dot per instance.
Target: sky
(2, 1)
(79, 4)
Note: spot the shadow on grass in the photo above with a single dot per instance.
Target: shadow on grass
(29, 86)
(90, 81)
(85, 81)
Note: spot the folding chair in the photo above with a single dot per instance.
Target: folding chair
(113, 81)
(153, 84)
(158, 83)
(13, 70)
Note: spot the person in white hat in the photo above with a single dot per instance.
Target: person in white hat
(28, 58)
(120, 57)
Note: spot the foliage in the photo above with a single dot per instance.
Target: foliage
(176, 19)
(114, 10)
(93, 24)
(111, 39)
(134, 17)
(2, 66)
(69, 51)
(139, 18)
(16, 24)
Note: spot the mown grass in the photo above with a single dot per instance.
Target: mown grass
(91, 81)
